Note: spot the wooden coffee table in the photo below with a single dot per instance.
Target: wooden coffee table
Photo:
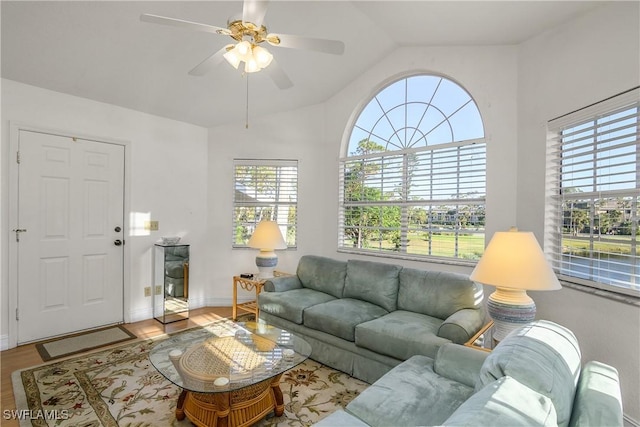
(229, 372)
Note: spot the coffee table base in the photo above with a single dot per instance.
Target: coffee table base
(235, 408)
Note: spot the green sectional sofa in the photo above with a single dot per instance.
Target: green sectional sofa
(364, 318)
(534, 377)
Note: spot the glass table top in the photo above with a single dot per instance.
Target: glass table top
(227, 356)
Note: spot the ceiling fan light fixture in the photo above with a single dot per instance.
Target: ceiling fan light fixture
(262, 56)
(231, 55)
(244, 50)
(251, 65)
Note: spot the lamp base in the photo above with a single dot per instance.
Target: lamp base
(510, 309)
(266, 261)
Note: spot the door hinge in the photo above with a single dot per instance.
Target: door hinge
(17, 157)
(17, 317)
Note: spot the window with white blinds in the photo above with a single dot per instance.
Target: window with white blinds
(265, 189)
(413, 185)
(593, 188)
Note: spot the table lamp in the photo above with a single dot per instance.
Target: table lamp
(513, 262)
(267, 237)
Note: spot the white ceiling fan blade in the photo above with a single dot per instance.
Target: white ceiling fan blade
(156, 19)
(334, 47)
(254, 11)
(209, 64)
(278, 75)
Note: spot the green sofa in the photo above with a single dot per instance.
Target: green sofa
(533, 377)
(364, 318)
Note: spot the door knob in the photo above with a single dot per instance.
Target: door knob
(117, 229)
(117, 242)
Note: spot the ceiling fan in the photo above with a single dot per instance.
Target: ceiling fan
(249, 33)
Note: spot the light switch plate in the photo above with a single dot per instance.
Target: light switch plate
(151, 225)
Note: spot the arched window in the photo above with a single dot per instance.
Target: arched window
(413, 178)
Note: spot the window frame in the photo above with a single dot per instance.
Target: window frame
(568, 269)
(405, 203)
(269, 206)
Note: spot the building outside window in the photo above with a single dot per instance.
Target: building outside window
(265, 189)
(593, 186)
(413, 175)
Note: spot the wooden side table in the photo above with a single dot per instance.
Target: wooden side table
(247, 285)
(483, 339)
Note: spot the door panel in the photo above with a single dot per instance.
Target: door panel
(54, 280)
(70, 200)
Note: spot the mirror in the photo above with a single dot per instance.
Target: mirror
(171, 282)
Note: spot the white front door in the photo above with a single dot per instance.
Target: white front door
(70, 232)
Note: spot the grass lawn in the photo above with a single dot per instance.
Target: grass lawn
(613, 245)
(469, 246)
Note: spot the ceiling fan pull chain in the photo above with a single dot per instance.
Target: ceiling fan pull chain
(246, 126)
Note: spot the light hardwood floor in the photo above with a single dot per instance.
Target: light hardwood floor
(26, 355)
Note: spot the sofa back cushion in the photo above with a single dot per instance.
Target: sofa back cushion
(543, 356)
(436, 293)
(374, 282)
(322, 274)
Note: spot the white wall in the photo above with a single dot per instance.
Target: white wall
(588, 60)
(168, 161)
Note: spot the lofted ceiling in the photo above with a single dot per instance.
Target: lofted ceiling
(100, 50)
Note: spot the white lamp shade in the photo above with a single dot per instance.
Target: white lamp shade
(513, 259)
(267, 236)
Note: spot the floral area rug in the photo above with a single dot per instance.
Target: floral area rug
(120, 387)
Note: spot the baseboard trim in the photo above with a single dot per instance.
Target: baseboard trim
(147, 313)
(629, 422)
(4, 342)
(140, 314)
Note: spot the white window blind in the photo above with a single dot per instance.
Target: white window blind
(593, 188)
(265, 189)
(425, 202)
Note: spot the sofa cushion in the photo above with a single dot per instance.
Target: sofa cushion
(436, 293)
(401, 334)
(543, 356)
(322, 274)
(290, 305)
(505, 402)
(411, 394)
(374, 282)
(340, 317)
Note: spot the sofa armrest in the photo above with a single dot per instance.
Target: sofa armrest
(462, 325)
(282, 283)
(459, 363)
(598, 400)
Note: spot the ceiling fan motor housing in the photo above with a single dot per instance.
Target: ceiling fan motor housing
(239, 30)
